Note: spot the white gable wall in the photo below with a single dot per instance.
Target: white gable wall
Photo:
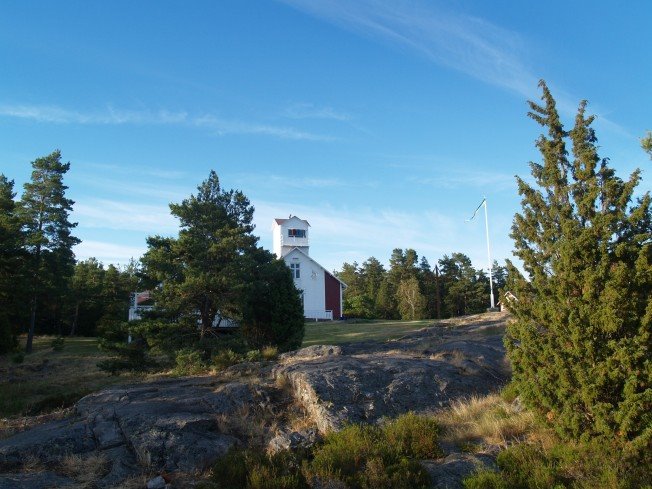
(311, 281)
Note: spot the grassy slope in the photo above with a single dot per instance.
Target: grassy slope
(337, 332)
(48, 380)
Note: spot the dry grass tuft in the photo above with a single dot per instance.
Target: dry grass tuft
(32, 464)
(488, 420)
(85, 470)
(269, 353)
(137, 482)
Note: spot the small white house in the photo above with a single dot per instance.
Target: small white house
(321, 291)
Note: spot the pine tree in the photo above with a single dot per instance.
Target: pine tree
(44, 211)
(11, 261)
(465, 289)
(580, 345)
(204, 270)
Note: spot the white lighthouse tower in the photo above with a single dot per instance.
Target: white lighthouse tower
(321, 291)
(290, 233)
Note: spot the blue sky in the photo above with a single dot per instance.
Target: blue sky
(383, 123)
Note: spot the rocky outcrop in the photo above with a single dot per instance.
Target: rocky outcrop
(421, 372)
(169, 425)
(449, 472)
(178, 425)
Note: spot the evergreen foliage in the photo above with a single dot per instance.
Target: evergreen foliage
(212, 271)
(205, 269)
(44, 211)
(11, 261)
(273, 312)
(412, 289)
(646, 143)
(580, 345)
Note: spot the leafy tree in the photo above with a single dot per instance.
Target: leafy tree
(273, 312)
(580, 344)
(44, 211)
(411, 303)
(11, 261)
(205, 269)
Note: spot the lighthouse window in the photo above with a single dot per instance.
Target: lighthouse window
(297, 233)
(295, 269)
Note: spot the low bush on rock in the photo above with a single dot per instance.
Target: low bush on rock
(360, 456)
(189, 362)
(582, 465)
(254, 469)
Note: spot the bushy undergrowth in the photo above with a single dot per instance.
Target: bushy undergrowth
(58, 343)
(582, 466)
(364, 456)
(360, 456)
(156, 344)
(253, 469)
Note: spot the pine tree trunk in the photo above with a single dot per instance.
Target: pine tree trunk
(73, 329)
(32, 324)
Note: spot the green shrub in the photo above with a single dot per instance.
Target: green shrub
(130, 357)
(225, 358)
(58, 343)
(486, 479)
(583, 466)
(253, 469)
(188, 362)
(344, 453)
(413, 436)
(509, 393)
(18, 357)
(272, 312)
(364, 456)
(253, 356)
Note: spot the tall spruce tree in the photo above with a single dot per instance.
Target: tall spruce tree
(580, 344)
(44, 211)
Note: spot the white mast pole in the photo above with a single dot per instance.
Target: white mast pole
(491, 282)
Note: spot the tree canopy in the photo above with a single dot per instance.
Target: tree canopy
(43, 211)
(580, 344)
(214, 270)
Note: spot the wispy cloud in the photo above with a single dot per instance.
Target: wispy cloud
(124, 216)
(222, 127)
(310, 111)
(468, 44)
(291, 181)
(461, 42)
(113, 116)
(137, 170)
(454, 179)
(108, 252)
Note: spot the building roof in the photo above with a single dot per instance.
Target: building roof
(313, 260)
(280, 221)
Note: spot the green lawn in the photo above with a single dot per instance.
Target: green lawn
(336, 332)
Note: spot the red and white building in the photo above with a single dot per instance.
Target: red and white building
(321, 291)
